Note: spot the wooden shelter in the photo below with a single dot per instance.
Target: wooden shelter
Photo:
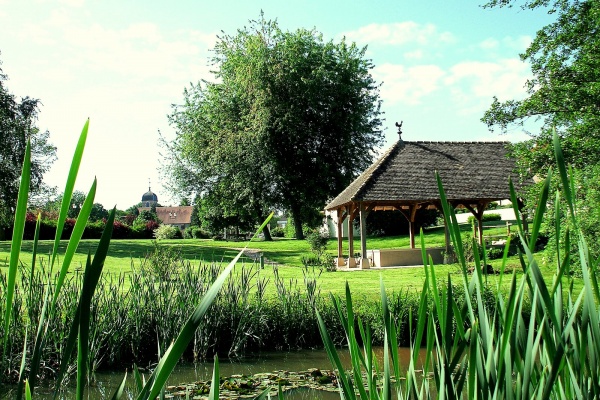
(473, 174)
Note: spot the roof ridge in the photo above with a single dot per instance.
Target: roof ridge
(459, 141)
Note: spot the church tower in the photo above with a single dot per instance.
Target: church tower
(149, 198)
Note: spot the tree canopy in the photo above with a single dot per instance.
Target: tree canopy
(17, 126)
(564, 94)
(288, 122)
(565, 89)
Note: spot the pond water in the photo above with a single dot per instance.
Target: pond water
(107, 382)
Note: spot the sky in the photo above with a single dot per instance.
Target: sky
(123, 64)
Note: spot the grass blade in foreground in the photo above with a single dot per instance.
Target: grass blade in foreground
(68, 192)
(17, 239)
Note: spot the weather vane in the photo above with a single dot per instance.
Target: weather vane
(399, 126)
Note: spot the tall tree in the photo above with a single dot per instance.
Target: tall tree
(17, 126)
(564, 94)
(289, 121)
(565, 89)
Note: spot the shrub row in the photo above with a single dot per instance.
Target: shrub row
(485, 218)
(93, 230)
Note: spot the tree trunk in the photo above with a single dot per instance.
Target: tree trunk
(298, 229)
(267, 233)
(297, 222)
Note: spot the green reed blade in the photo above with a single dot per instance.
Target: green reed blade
(22, 367)
(83, 331)
(90, 281)
(119, 392)
(17, 239)
(346, 385)
(515, 205)
(69, 186)
(540, 211)
(264, 395)
(39, 340)
(169, 360)
(215, 383)
(27, 391)
(557, 224)
(452, 225)
(36, 238)
(387, 393)
(562, 169)
(137, 377)
(78, 229)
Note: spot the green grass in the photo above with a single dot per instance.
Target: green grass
(125, 254)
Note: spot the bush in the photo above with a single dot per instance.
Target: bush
(196, 232)
(277, 232)
(167, 232)
(93, 230)
(121, 230)
(318, 242)
(485, 218)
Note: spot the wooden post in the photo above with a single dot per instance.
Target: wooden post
(364, 261)
(340, 234)
(351, 260)
(411, 224)
(448, 257)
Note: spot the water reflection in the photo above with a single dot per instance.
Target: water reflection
(107, 382)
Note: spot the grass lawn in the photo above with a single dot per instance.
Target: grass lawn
(127, 254)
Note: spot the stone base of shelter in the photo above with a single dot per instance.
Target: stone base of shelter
(393, 258)
(405, 257)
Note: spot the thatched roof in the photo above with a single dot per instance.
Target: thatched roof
(470, 172)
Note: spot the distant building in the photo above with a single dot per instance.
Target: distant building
(180, 217)
(149, 199)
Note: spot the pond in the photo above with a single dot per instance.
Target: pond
(266, 362)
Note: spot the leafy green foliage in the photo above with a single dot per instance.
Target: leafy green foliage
(564, 90)
(17, 128)
(291, 121)
(318, 242)
(167, 232)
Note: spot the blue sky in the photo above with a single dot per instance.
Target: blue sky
(123, 63)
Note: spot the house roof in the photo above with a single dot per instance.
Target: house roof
(173, 215)
(470, 171)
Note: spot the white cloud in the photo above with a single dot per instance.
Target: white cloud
(504, 78)
(518, 44)
(408, 85)
(400, 33)
(489, 44)
(72, 3)
(414, 55)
